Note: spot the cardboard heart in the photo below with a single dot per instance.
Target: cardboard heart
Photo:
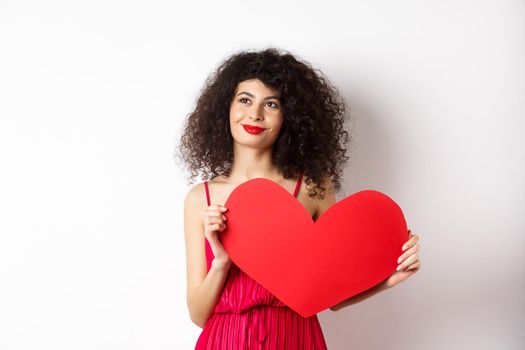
(312, 265)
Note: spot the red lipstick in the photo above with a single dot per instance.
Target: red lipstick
(252, 129)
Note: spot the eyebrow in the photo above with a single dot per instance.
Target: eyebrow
(251, 95)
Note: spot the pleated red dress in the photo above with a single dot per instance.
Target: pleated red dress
(247, 316)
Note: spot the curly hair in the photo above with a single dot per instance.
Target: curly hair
(312, 137)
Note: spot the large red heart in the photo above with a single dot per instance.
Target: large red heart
(312, 265)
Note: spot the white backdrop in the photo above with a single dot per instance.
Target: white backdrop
(92, 100)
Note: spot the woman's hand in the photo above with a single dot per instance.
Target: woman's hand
(213, 224)
(409, 262)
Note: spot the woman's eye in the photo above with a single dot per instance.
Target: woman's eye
(271, 104)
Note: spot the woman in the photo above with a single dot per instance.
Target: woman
(261, 114)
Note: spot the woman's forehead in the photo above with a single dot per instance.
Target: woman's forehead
(256, 88)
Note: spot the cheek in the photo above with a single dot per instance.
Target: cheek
(236, 114)
(278, 123)
(236, 117)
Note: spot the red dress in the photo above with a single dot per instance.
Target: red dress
(247, 316)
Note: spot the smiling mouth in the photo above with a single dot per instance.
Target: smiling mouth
(252, 129)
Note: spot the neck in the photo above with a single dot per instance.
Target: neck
(249, 163)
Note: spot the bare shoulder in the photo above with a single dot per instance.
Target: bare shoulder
(195, 195)
(194, 205)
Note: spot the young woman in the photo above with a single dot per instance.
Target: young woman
(261, 114)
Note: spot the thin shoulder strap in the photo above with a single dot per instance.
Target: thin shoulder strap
(298, 185)
(207, 248)
(207, 192)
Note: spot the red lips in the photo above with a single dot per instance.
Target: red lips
(252, 129)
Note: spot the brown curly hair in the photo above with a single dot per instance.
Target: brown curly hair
(312, 137)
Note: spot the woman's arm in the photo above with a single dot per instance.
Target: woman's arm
(361, 296)
(203, 288)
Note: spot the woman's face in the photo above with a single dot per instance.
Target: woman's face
(255, 105)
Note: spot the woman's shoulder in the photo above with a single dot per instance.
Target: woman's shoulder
(197, 193)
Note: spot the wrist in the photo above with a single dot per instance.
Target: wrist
(385, 284)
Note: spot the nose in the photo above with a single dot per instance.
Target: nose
(256, 114)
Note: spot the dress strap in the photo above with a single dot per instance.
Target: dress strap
(207, 192)
(207, 248)
(298, 185)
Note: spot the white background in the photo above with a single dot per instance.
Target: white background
(92, 100)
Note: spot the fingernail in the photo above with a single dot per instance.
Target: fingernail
(224, 208)
(399, 267)
(399, 260)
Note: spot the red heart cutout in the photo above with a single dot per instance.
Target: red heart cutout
(312, 265)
